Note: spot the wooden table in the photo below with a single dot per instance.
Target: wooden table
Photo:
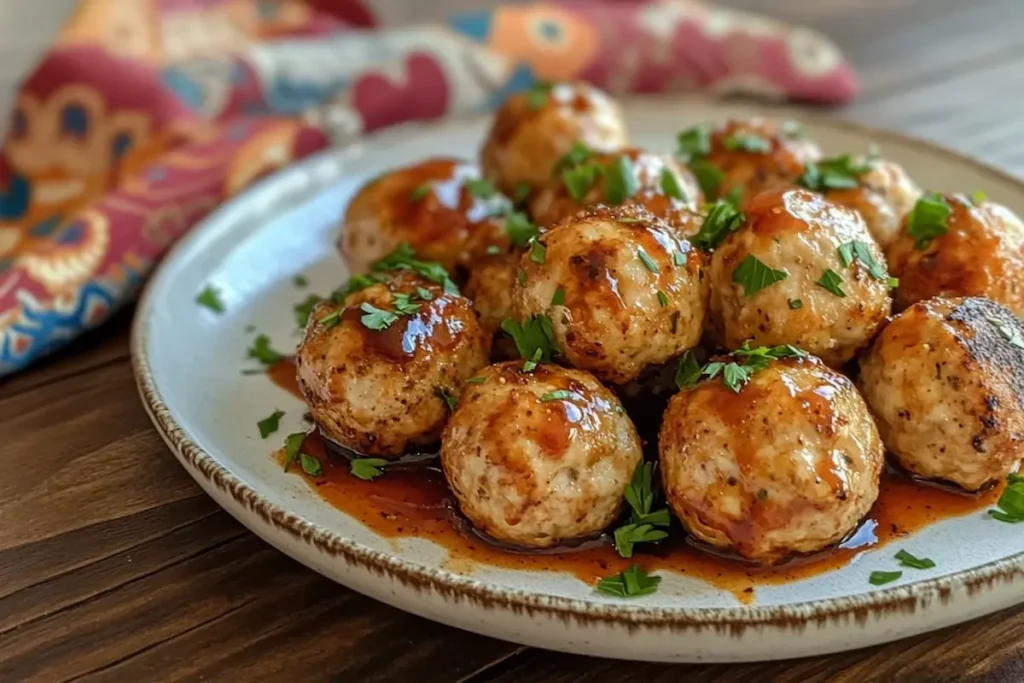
(115, 567)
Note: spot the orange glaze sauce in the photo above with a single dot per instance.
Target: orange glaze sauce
(412, 500)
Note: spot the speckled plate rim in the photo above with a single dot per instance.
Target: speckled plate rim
(208, 472)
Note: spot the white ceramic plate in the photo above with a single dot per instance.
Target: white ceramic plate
(187, 362)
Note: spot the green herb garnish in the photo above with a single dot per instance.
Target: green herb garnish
(632, 582)
(300, 281)
(521, 194)
(310, 465)
(376, 318)
(794, 304)
(538, 252)
(882, 578)
(648, 262)
(662, 298)
(450, 399)
(367, 469)
(419, 192)
(210, 298)
(709, 176)
(577, 155)
(270, 424)
(521, 277)
(559, 297)
(262, 352)
(908, 560)
(304, 308)
(520, 229)
(978, 197)
(1011, 502)
(331, 319)
(481, 188)
(558, 395)
(688, 370)
(620, 181)
(579, 179)
(671, 186)
(1010, 333)
(928, 219)
(537, 95)
(856, 250)
(754, 275)
(476, 380)
(535, 335)
(292, 446)
(836, 173)
(695, 142)
(643, 518)
(723, 218)
(356, 283)
(747, 142)
(832, 281)
(404, 258)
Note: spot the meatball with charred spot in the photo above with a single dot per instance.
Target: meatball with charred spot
(951, 246)
(533, 130)
(786, 465)
(631, 176)
(945, 381)
(802, 271)
(538, 458)
(742, 158)
(622, 289)
(436, 206)
(371, 367)
(883, 196)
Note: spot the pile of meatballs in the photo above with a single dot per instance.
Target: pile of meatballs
(810, 314)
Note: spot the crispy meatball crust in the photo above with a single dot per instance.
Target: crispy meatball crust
(753, 172)
(885, 195)
(611, 263)
(376, 391)
(982, 254)
(532, 469)
(788, 465)
(431, 205)
(526, 141)
(799, 232)
(555, 203)
(946, 386)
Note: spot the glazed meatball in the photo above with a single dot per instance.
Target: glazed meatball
(743, 158)
(884, 195)
(435, 206)
(632, 176)
(533, 130)
(622, 289)
(789, 464)
(945, 381)
(491, 281)
(800, 271)
(541, 457)
(371, 368)
(977, 250)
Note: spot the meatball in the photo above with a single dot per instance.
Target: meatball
(435, 206)
(622, 289)
(884, 195)
(945, 381)
(538, 458)
(788, 464)
(372, 368)
(533, 130)
(802, 271)
(632, 176)
(743, 158)
(491, 281)
(951, 246)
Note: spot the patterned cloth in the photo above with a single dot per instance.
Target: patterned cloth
(147, 114)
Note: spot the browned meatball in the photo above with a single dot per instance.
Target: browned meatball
(537, 458)
(632, 176)
(624, 291)
(745, 157)
(788, 464)
(533, 130)
(883, 196)
(977, 250)
(435, 206)
(945, 380)
(371, 367)
(799, 271)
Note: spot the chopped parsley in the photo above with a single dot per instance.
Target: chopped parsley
(292, 446)
(304, 308)
(794, 130)
(450, 399)
(424, 293)
(558, 395)
(210, 298)
(367, 469)
(794, 304)
(747, 142)
(521, 277)
(695, 142)
(1010, 333)
(262, 352)
(538, 252)
(856, 250)
(356, 283)
(419, 192)
(832, 281)
(723, 218)
(1011, 502)
(404, 258)
(836, 173)
(620, 181)
(632, 582)
(534, 337)
(662, 298)
(492, 250)
(559, 297)
(481, 188)
(735, 375)
(709, 176)
(648, 262)
(270, 424)
(376, 318)
(754, 275)
(310, 465)
(531, 364)
(476, 380)
(300, 281)
(404, 304)
(520, 229)
(882, 578)
(537, 95)
(671, 186)
(577, 155)
(678, 258)
(928, 219)
(643, 519)
(908, 560)
(331, 319)
(579, 179)
(978, 197)
(688, 370)
(521, 194)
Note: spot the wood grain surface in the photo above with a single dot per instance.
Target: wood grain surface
(115, 567)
